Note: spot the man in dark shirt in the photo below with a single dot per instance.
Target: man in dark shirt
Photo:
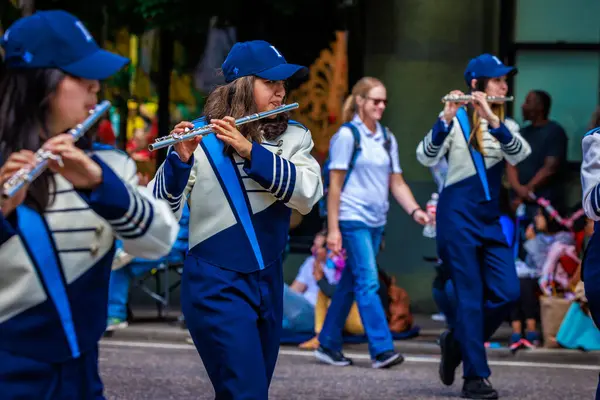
(542, 173)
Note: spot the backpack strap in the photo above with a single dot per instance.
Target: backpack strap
(355, 151)
(387, 144)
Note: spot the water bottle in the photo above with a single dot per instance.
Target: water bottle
(429, 229)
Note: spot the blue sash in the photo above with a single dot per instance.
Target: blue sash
(478, 161)
(34, 233)
(224, 169)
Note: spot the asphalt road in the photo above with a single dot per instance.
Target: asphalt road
(146, 370)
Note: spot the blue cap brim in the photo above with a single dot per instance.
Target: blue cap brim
(283, 72)
(99, 65)
(501, 71)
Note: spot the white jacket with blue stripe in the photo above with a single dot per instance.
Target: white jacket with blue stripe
(54, 320)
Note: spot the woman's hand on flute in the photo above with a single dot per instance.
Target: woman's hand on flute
(15, 162)
(185, 149)
(227, 132)
(73, 163)
(451, 107)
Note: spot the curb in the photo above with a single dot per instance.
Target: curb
(416, 346)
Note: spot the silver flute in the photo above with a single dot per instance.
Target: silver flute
(468, 97)
(173, 138)
(26, 175)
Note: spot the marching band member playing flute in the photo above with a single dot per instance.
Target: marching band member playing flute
(57, 233)
(475, 140)
(241, 185)
(590, 182)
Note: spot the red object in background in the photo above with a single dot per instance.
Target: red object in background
(332, 119)
(106, 134)
(569, 265)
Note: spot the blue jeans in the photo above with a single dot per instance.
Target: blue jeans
(120, 280)
(359, 280)
(298, 313)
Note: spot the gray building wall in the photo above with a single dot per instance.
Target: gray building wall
(420, 48)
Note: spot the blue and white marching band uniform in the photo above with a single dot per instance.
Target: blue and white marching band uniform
(469, 231)
(56, 269)
(590, 183)
(56, 264)
(239, 221)
(232, 284)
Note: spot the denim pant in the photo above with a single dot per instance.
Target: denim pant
(118, 289)
(298, 313)
(359, 280)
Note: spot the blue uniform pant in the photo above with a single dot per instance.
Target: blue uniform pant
(444, 296)
(24, 378)
(485, 282)
(235, 321)
(591, 278)
(360, 280)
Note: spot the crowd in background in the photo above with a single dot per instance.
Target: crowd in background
(548, 251)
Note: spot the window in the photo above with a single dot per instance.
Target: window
(550, 21)
(571, 78)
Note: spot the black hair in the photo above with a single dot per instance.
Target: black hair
(545, 100)
(552, 225)
(24, 106)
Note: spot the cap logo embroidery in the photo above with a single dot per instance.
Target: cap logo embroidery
(83, 30)
(276, 52)
(236, 71)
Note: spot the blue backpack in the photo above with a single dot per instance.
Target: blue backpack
(355, 152)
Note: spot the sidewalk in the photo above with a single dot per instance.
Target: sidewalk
(146, 327)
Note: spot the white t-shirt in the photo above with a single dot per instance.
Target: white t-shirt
(305, 275)
(365, 196)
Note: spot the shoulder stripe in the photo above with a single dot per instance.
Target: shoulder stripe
(592, 131)
(296, 123)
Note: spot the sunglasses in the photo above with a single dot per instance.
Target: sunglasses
(378, 101)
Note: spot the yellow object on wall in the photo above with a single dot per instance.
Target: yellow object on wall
(322, 96)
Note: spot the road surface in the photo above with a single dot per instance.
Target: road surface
(163, 371)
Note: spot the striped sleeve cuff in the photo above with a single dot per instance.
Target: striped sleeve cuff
(274, 173)
(160, 191)
(136, 220)
(430, 149)
(171, 180)
(513, 147)
(129, 213)
(439, 132)
(502, 133)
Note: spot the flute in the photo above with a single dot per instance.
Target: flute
(468, 97)
(27, 175)
(173, 138)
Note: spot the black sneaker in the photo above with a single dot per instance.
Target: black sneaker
(478, 388)
(387, 359)
(332, 357)
(450, 357)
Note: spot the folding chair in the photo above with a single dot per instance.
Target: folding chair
(162, 283)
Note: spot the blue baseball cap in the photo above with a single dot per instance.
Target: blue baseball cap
(261, 59)
(486, 66)
(57, 39)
